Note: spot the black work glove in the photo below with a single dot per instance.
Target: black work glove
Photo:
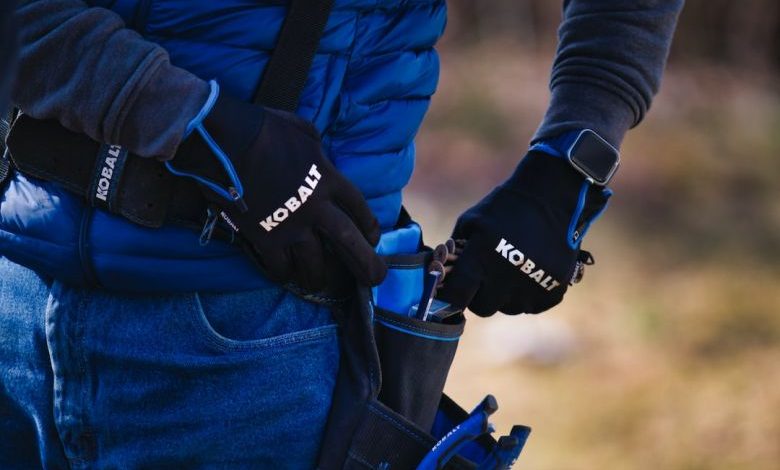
(523, 239)
(300, 219)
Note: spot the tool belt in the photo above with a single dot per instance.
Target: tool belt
(388, 410)
(139, 189)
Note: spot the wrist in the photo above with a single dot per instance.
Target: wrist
(595, 159)
(547, 176)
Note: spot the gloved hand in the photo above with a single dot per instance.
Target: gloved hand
(523, 239)
(265, 171)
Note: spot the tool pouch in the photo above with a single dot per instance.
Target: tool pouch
(415, 357)
(388, 408)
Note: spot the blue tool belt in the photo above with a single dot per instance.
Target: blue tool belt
(388, 409)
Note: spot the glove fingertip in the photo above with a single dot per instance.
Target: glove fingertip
(542, 307)
(458, 231)
(481, 312)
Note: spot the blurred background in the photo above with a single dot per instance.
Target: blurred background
(667, 355)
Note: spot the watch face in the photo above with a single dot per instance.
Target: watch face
(594, 157)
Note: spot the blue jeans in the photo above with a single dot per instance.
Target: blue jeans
(92, 379)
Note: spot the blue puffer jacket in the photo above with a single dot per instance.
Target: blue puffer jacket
(368, 90)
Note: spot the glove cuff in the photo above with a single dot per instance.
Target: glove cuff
(554, 183)
(201, 150)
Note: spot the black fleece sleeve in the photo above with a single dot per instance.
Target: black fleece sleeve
(82, 66)
(611, 56)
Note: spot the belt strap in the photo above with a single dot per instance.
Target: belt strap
(141, 190)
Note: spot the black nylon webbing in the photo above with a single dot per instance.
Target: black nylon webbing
(291, 60)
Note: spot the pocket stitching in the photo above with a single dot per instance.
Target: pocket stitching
(224, 344)
(419, 329)
(421, 334)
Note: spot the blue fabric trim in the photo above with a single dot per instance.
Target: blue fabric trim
(586, 227)
(197, 125)
(574, 244)
(544, 147)
(559, 146)
(419, 335)
(205, 110)
(85, 256)
(447, 447)
(402, 288)
(403, 240)
(444, 423)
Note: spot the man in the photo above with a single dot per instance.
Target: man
(210, 362)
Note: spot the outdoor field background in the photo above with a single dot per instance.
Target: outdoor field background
(667, 355)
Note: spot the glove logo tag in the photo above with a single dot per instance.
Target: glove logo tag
(107, 172)
(526, 265)
(294, 203)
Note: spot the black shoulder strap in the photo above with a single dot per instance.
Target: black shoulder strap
(291, 60)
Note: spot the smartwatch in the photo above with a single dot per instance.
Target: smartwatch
(587, 152)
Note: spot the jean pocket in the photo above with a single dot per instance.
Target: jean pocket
(230, 380)
(263, 320)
